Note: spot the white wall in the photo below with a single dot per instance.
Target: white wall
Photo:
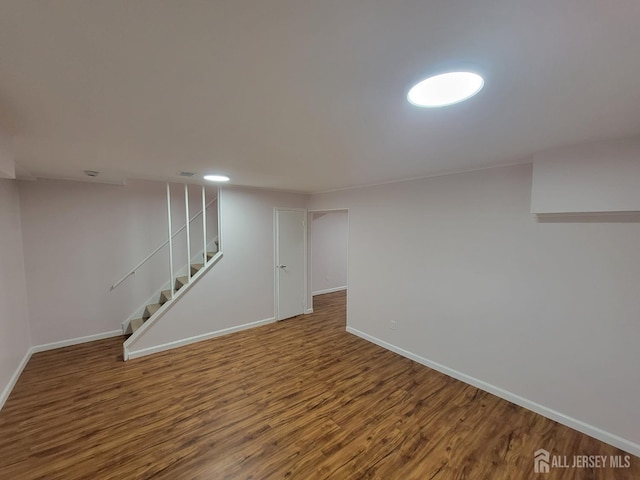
(7, 163)
(239, 289)
(80, 238)
(547, 311)
(329, 245)
(594, 177)
(14, 318)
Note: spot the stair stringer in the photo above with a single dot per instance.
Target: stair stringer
(148, 324)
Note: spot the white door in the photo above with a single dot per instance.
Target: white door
(290, 263)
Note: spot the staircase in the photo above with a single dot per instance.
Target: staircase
(166, 295)
(177, 283)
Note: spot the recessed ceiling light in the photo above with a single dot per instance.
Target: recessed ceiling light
(216, 178)
(445, 89)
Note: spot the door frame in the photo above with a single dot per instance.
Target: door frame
(276, 286)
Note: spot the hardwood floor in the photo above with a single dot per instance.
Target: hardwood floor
(300, 399)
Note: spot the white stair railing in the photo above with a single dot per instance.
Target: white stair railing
(171, 236)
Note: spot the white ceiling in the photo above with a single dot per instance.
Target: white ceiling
(308, 95)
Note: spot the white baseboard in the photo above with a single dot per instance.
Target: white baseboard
(14, 378)
(198, 338)
(49, 346)
(308, 311)
(595, 432)
(328, 290)
(75, 341)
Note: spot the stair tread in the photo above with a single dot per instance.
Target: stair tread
(151, 309)
(165, 296)
(181, 282)
(136, 323)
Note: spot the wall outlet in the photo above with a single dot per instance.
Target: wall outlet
(393, 325)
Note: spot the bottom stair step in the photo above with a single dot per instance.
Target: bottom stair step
(136, 323)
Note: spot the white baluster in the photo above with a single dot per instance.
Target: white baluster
(171, 279)
(186, 207)
(204, 223)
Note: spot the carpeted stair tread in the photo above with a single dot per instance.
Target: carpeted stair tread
(165, 296)
(150, 310)
(136, 323)
(181, 282)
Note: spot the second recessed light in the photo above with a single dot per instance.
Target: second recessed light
(216, 178)
(445, 89)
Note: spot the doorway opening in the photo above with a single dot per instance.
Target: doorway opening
(328, 252)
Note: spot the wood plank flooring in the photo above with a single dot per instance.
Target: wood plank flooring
(300, 399)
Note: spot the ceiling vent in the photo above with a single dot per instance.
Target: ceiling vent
(91, 173)
(186, 174)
